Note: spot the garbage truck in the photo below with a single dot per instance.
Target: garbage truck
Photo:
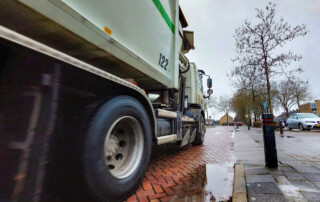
(87, 88)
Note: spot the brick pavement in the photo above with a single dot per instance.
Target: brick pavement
(179, 174)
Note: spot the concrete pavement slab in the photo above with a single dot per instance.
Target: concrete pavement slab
(267, 198)
(259, 178)
(294, 176)
(312, 177)
(257, 170)
(263, 188)
(307, 169)
(306, 186)
(312, 196)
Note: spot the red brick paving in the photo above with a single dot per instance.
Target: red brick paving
(179, 174)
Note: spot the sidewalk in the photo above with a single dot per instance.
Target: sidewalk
(296, 179)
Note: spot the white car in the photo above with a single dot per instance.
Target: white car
(303, 121)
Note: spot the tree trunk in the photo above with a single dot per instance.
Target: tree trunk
(268, 86)
(227, 119)
(298, 101)
(287, 111)
(268, 89)
(253, 103)
(266, 71)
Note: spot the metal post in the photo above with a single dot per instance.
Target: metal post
(270, 150)
(281, 128)
(249, 124)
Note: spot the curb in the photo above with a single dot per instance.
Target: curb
(239, 185)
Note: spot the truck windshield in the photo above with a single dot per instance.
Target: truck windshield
(200, 82)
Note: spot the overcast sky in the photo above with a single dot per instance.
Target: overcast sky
(214, 23)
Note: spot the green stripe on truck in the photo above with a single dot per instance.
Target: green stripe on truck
(164, 14)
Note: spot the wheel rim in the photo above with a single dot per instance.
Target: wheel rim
(300, 126)
(123, 147)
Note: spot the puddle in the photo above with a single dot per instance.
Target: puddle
(219, 181)
(209, 183)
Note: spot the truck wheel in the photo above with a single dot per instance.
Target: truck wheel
(200, 135)
(117, 149)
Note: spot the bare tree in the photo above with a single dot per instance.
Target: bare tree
(224, 105)
(302, 92)
(209, 103)
(285, 95)
(258, 46)
(248, 80)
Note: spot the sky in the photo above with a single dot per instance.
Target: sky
(214, 23)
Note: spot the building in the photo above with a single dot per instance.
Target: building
(311, 107)
(226, 118)
(283, 115)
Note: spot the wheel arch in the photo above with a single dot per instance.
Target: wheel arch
(203, 114)
(147, 105)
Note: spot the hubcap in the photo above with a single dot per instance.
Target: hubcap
(123, 147)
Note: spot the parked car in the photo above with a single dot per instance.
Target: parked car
(224, 123)
(303, 121)
(239, 123)
(231, 124)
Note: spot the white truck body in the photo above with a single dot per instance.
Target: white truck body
(140, 41)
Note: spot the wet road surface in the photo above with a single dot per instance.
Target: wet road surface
(197, 173)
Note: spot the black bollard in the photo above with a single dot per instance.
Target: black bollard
(281, 128)
(270, 149)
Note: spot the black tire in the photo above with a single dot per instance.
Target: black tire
(201, 134)
(99, 178)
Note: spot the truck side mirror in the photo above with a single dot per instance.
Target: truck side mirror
(209, 82)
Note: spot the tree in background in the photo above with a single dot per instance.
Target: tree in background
(224, 105)
(302, 92)
(209, 103)
(249, 82)
(291, 92)
(240, 104)
(258, 46)
(285, 96)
